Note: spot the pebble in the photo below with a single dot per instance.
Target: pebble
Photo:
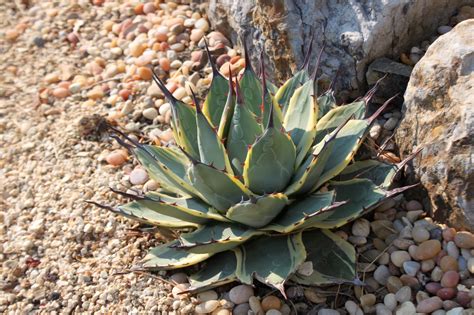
(313, 296)
(207, 307)
(207, 296)
(413, 205)
(436, 274)
(428, 249)
(457, 311)
(367, 300)
(361, 227)
(391, 123)
(116, 158)
(452, 250)
(196, 35)
(448, 263)
(450, 279)
(470, 265)
(327, 311)
(411, 267)
(433, 287)
(271, 302)
(381, 309)
(381, 274)
(407, 308)
(429, 305)
(179, 277)
(144, 73)
(150, 113)
(202, 24)
(60, 92)
(404, 294)
(390, 301)
(255, 305)
(241, 309)
(351, 307)
(399, 257)
(420, 234)
(443, 29)
(394, 284)
(273, 312)
(446, 293)
(464, 240)
(138, 176)
(240, 294)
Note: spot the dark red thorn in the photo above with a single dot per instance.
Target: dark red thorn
(164, 89)
(379, 111)
(370, 93)
(215, 72)
(308, 52)
(316, 68)
(248, 65)
(195, 101)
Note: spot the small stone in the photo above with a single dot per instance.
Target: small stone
(448, 263)
(149, 7)
(394, 284)
(429, 305)
(241, 309)
(196, 35)
(219, 311)
(12, 34)
(285, 309)
(470, 265)
(391, 123)
(464, 240)
(449, 234)
(38, 41)
(178, 289)
(367, 300)
(306, 268)
(240, 294)
(427, 265)
(95, 93)
(446, 293)
(207, 307)
(177, 47)
(381, 274)
(428, 249)
(411, 267)
(390, 301)
(420, 234)
(150, 113)
(407, 308)
(327, 311)
(273, 312)
(144, 73)
(381, 309)
(138, 176)
(457, 311)
(443, 29)
(404, 294)
(116, 158)
(255, 305)
(413, 205)
(361, 227)
(179, 277)
(399, 257)
(450, 279)
(433, 287)
(202, 24)
(207, 296)
(464, 298)
(52, 78)
(271, 302)
(351, 307)
(452, 250)
(436, 274)
(60, 92)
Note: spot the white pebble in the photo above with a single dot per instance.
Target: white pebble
(138, 176)
(150, 113)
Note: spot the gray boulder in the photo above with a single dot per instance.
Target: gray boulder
(439, 116)
(357, 32)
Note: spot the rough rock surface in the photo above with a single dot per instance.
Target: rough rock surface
(356, 32)
(439, 115)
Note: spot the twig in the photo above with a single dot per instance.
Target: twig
(119, 77)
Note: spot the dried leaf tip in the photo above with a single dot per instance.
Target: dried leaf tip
(195, 101)
(379, 111)
(309, 51)
(318, 61)
(248, 65)
(215, 72)
(164, 89)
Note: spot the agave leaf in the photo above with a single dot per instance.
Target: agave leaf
(228, 111)
(215, 101)
(300, 211)
(326, 102)
(218, 270)
(257, 212)
(216, 237)
(346, 144)
(381, 174)
(211, 149)
(360, 195)
(251, 87)
(308, 174)
(192, 206)
(244, 130)
(272, 88)
(218, 188)
(183, 121)
(135, 211)
(301, 118)
(165, 166)
(333, 259)
(167, 257)
(286, 91)
(270, 259)
(270, 161)
(336, 116)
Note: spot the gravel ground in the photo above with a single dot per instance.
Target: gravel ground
(64, 61)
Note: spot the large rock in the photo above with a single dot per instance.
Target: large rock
(439, 116)
(357, 32)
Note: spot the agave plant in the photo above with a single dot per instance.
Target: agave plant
(258, 179)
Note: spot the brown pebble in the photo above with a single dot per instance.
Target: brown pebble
(450, 279)
(428, 249)
(165, 64)
(271, 302)
(429, 305)
(464, 240)
(449, 234)
(394, 284)
(410, 281)
(144, 73)
(116, 158)
(448, 263)
(60, 92)
(463, 298)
